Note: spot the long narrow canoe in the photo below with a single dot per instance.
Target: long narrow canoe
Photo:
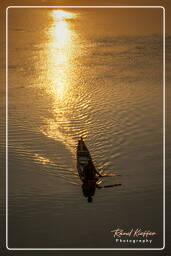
(85, 166)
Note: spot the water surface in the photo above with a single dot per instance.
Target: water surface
(67, 80)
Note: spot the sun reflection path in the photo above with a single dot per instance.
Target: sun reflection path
(60, 52)
(62, 15)
(61, 30)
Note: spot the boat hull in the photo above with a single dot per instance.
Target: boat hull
(85, 166)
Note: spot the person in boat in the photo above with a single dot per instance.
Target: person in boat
(87, 171)
(88, 189)
(90, 172)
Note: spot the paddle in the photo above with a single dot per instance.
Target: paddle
(108, 186)
(108, 175)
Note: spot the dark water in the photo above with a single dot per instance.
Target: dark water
(68, 80)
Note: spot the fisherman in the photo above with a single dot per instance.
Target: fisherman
(87, 171)
(88, 189)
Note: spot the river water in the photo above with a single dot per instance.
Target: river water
(70, 78)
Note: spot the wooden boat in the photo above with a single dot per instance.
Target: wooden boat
(85, 166)
(87, 171)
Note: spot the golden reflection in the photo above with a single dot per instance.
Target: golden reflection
(61, 34)
(60, 53)
(62, 15)
(41, 159)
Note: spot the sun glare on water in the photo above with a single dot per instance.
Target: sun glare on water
(60, 50)
(62, 15)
